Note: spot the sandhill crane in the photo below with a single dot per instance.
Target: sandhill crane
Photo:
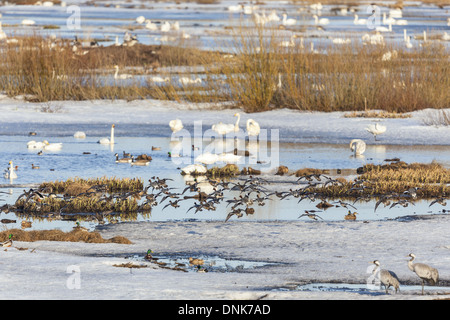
(387, 277)
(423, 271)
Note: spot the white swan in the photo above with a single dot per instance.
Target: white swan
(321, 21)
(79, 135)
(28, 22)
(176, 125)
(384, 29)
(2, 33)
(207, 158)
(165, 27)
(359, 21)
(10, 173)
(289, 43)
(194, 168)
(106, 140)
(288, 22)
(229, 158)
(223, 128)
(35, 144)
(341, 41)
(121, 76)
(358, 146)
(158, 79)
(253, 128)
(408, 43)
(445, 36)
(140, 19)
(186, 80)
(52, 146)
(376, 129)
(151, 26)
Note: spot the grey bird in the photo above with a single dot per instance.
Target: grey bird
(423, 271)
(387, 278)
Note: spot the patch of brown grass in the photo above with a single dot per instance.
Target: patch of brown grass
(58, 235)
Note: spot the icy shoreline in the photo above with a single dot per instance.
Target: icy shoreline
(304, 252)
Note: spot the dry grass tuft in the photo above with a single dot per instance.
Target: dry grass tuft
(58, 235)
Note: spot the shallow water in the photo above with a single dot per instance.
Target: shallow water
(85, 158)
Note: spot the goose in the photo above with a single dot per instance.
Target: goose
(288, 22)
(423, 271)
(140, 162)
(194, 169)
(222, 128)
(176, 125)
(10, 174)
(123, 160)
(359, 21)
(358, 146)
(52, 146)
(253, 128)
(106, 140)
(121, 76)
(376, 129)
(79, 135)
(321, 21)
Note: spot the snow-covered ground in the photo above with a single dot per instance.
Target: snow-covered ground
(303, 251)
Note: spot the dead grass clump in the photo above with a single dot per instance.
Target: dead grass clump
(229, 170)
(309, 171)
(58, 235)
(74, 185)
(377, 114)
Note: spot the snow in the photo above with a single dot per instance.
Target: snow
(303, 251)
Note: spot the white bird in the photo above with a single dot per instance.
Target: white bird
(207, 158)
(376, 129)
(140, 19)
(321, 21)
(235, 8)
(389, 55)
(159, 79)
(273, 16)
(358, 146)
(165, 27)
(384, 29)
(288, 22)
(396, 13)
(359, 21)
(289, 43)
(223, 128)
(446, 36)
(52, 146)
(2, 33)
(121, 76)
(28, 22)
(253, 128)
(194, 169)
(186, 80)
(341, 41)
(388, 20)
(408, 43)
(175, 26)
(79, 135)
(176, 125)
(316, 6)
(387, 277)
(376, 39)
(229, 158)
(423, 271)
(10, 173)
(35, 144)
(151, 26)
(106, 140)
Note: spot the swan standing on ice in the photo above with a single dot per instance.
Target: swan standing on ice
(9, 173)
(253, 127)
(194, 168)
(358, 146)
(140, 19)
(176, 125)
(359, 21)
(376, 129)
(207, 158)
(2, 33)
(165, 27)
(106, 140)
(223, 128)
(121, 76)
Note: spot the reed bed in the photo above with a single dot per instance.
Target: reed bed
(259, 75)
(76, 186)
(58, 235)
